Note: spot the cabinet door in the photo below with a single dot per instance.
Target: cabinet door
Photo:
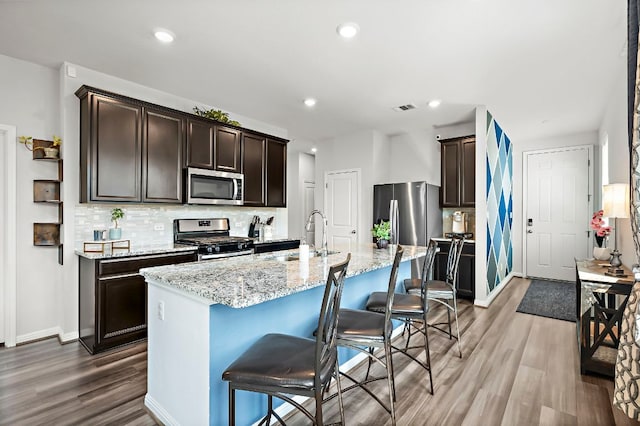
(122, 310)
(468, 172)
(253, 165)
(450, 174)
(227, 149)
(162, 157)
(115, 146)
(200, 136)
(466, 276)
(276, 181)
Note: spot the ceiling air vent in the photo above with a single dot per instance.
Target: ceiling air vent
(406, 107)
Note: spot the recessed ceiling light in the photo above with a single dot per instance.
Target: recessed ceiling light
(309, 102)
(314, 150)
(348, 29)
(435, 103)
(164, 36)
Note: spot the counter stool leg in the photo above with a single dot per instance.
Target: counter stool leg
(339, 385)
(455, 312)
(426, 346)
(232, 405)
(391, 381)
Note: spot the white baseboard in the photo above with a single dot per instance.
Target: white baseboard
(68, 337)
(38, 335)
(46, 333)
(159, 412)
(484, 303)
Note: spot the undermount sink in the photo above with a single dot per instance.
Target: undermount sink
(296, 256)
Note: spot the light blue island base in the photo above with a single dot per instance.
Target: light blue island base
(190, 348)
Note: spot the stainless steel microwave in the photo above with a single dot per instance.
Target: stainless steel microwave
(213, 187)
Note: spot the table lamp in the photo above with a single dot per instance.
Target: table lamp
(616, 203)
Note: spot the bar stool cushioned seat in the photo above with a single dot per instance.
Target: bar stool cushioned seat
(281, 365)
(357, 325)
(262, 364)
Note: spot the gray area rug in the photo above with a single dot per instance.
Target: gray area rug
(551, 299)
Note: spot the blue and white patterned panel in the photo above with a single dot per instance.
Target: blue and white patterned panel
(499, 204)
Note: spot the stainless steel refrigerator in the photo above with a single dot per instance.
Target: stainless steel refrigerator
(414, 211)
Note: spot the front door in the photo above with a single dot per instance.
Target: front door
(341, 205)
(557, 211)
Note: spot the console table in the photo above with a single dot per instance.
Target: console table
(600, 302)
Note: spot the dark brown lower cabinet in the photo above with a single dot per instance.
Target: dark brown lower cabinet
(466, 279)
(113, 298)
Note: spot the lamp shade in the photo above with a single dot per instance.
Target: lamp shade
(615, 200)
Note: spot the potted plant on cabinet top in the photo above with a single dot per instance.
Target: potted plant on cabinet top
(382, 233)
(116, 215)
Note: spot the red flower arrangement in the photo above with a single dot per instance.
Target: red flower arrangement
(598, 225)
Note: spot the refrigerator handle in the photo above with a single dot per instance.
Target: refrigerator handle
(395, 226)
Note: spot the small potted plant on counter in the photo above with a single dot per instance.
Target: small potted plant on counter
(382, 233)
(601, 252)
(116, 233)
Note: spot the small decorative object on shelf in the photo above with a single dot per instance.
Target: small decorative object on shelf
(601, 252)
(42, 149)
(382, 233)
(115, 233)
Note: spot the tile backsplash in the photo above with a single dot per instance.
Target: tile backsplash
(447, 219)
(152, 225)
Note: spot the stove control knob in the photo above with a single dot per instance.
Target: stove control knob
(209, 249)
(217, 249)
(241, 246)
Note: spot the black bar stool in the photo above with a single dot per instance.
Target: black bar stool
(364, 331)
(279, 365)
(407, 308)
(444, 292)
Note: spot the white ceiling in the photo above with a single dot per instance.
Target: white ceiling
(543, 67)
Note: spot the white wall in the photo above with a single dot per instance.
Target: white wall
(354, 151)
(614, 130)
(30, 102)
(414, 156)
(300, 169)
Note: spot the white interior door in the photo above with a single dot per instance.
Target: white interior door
(309, 204)
(557, 211)
(341, 201)
(3, 238)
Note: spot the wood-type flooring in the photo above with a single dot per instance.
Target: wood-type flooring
(517, 369)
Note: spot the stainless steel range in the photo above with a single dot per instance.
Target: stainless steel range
(211, 236)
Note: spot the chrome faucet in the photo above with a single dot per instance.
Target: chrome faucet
(324, 251)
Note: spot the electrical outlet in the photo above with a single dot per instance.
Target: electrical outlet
(158, 227)
(161, 310)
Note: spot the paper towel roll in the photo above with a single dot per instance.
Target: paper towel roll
(303, 252)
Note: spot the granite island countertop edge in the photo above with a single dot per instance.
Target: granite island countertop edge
(245, 281)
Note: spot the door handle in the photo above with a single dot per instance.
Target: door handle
(529, 231)
(353, 232)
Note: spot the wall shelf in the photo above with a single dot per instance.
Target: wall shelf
(48, 192)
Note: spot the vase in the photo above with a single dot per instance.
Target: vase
(382, 243)
(50, 152)
(601, 253)
(115, 233)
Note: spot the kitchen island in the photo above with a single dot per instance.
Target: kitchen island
(204, 315)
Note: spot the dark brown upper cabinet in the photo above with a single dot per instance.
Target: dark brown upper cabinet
(458, 172)
(135, 151)
(110, 149)
(162, 147)
(253, 166)
(227, 143)
(276, 176)
(200, 139)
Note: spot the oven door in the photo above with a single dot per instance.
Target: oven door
(223, 255)
(213, 187)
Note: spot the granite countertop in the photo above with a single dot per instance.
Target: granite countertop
(257, 241)
(135, 251)
(449, 239)
(244, 281)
